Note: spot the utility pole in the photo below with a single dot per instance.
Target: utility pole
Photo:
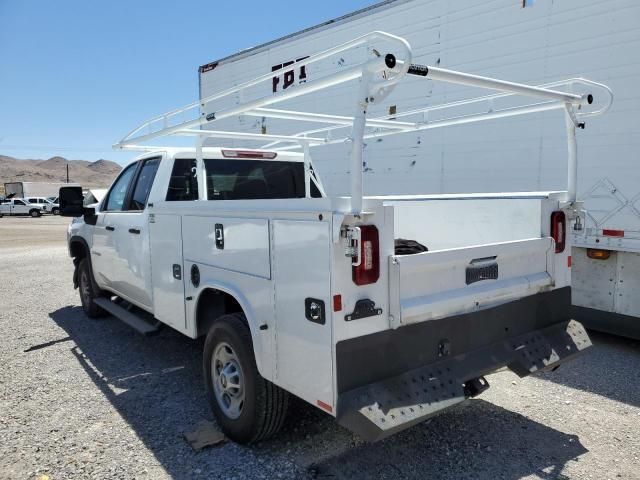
(67, 173)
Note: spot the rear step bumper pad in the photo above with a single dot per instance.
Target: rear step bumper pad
(380, 409)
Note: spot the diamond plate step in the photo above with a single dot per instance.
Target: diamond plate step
(383, 408)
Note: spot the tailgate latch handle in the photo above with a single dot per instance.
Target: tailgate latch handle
(482, 269)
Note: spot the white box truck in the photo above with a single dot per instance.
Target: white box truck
(33, 189)
(538, 42)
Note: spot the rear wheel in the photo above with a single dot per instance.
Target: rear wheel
(247, 407)
(89, 291)
(55, 211)
(34, 213)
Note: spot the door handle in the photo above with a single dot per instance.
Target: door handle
(135, 231)
(219, 235)
(110, 228)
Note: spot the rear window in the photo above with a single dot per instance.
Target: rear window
(253, 179)
(183, 184)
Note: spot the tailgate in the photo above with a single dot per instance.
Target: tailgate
(433, 285)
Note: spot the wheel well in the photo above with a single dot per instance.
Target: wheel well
(78, 250)
(212, 304)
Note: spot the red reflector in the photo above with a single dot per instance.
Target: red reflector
(369, 269)
(613, 233)
(569, 261)
(324, 406)
(248, 154)
(337, 303)
(559, 230)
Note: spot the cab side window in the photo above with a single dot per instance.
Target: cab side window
(183, 185)
(143, 184)
(18, 202)
(118, 193)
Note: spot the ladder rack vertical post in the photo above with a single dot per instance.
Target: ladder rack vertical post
(307, 169)
(572, 143)
(357, 138)
(201, 174)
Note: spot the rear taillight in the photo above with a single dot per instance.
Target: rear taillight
(368, 269)
(559, 230)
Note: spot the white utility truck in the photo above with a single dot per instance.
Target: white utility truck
(537, 41)
(381, 311)
(18, 206)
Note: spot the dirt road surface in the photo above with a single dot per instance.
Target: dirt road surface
(93, 399)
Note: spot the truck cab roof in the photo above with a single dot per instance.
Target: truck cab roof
(223, 152)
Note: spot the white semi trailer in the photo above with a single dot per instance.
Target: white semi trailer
(34, 189)
(537, 41)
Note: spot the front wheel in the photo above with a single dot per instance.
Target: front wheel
(89, 291)
(247, 407)
(34, 213)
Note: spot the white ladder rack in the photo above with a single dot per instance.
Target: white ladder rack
(378, 77)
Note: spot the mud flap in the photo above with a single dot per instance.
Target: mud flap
(380, 409)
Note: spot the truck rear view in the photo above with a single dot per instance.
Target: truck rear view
(381, 311)
(489, 287)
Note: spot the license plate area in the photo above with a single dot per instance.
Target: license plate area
(482, 269)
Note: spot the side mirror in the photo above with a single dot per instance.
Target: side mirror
(70, 200)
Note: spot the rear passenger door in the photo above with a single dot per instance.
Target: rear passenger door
(131, 267)
(167, 265)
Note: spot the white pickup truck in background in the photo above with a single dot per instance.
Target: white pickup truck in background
(18, 206)
(381, 311)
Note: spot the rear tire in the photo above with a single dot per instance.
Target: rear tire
(247, 407)
(89, 291)
(34, 213)
(56, 211)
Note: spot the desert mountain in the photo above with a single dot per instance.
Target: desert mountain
(88, 174)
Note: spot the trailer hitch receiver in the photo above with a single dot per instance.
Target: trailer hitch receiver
(474, 387)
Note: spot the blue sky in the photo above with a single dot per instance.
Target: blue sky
(75, 76)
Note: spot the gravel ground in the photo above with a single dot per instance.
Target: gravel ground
(93, 399)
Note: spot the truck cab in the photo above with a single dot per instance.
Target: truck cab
(119, 239)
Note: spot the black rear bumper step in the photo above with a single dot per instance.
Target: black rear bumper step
(383, 408)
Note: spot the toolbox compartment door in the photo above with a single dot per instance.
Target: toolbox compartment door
(237, 244)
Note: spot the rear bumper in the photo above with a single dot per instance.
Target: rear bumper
(394, 379)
